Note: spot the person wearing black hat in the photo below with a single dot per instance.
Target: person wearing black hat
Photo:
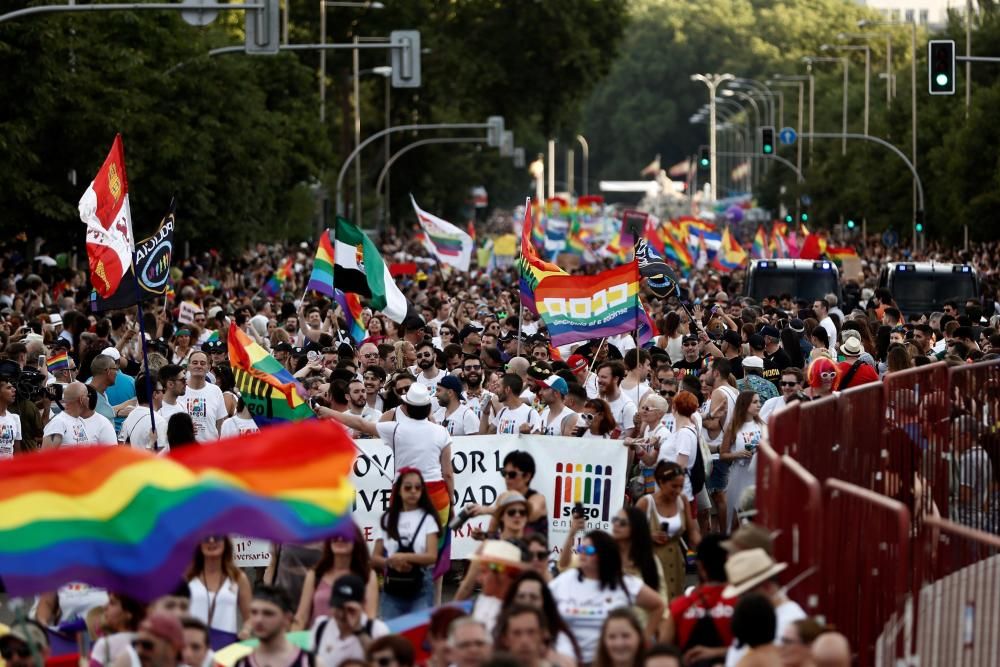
(775, 358)
(347, 632)
(454, 414)
(692, 362)
(282, 352)
(470, 338)
(732, 351)
(10, 423)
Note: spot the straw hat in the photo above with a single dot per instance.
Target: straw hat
(747, 569)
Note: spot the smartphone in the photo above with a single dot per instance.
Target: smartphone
(41, 361)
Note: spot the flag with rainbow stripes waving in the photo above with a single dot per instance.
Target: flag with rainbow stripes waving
(449, 244)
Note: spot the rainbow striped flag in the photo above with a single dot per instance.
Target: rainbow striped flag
(321, 278)
(270, 391)
(577, 308)
(840, 253)
(647, 328)
(443, 240)
(276, 282)
(127, 520)
(350, 304)
(57, 362)
(731, 255)
(675, 246)
(531, 268)
(759, 248)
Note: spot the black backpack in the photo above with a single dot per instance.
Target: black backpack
(698, 471)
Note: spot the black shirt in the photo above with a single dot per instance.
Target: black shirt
(689, 367)
(774, 364)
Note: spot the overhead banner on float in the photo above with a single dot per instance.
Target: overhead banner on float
(567, 471)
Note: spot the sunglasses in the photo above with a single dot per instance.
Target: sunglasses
(588, 550)
(587, 416)
(425, 355)
(9, 653)
(516, 513)
(213, 538)
(788, 384)
(664, 392)
(143, 644)
(620, 521)
(539, 555)
(511, 474)
(690, 344)
(828, 375)
(473, 368)
(402, 390)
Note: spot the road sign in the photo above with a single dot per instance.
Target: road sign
(890, 238)
(806, 200)
(787, 136)
(198, 17)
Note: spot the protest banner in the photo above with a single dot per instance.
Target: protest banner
(567, 471)
(251, 551)
(187, 312)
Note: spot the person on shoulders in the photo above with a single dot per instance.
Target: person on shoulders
(347, 632)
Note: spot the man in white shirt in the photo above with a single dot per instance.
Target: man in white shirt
(822, 309)
(203, 401)
(173, 379)
(68, 429)
(347, 632)
(10, 423)
(454, 414)
(556, 418)
(427, 371)
(609, 377)
(509, 414)
(791, 390)
(357, 404)
(99, 427)
(137, 429)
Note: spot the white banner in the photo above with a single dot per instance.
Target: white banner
(567, 471)
(187, 311)
(251, 551)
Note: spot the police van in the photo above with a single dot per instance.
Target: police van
(802, 278)
(924, 287)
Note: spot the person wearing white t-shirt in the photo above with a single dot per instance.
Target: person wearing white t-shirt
(681, 447)
(202, 401)
(609, 378)
(427, 371)
(137, 430)
(346, 633)
(584, 595)
(239, 424)
(357, 404)
(67, 429)
(99, 428)
(10, 423)
(511, 415)
(454, 414)
(174, 381)
(637, 369)
(556, 418)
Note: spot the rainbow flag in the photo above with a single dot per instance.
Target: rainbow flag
(731, 255)
(647, 328)
(443, 240)
(759, 248)
(531, 267)
(57, 362)
(321, 278)
(839, 254)
(675, 246)
(576, 308)
(350, 304)
(275, 283)
(270, 391)
(127, 520)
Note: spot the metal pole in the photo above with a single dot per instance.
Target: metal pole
(913, 104)
(383, 176)
(798, 157)
(284, 22)
(968, 67)
(868, 77)
(388, 146)
(570, 159)
(586, 163)
(888, 71)
(355, 65)
(843, 121)
(551, 164)
(812, 109)
(712, 81)
(322, 61)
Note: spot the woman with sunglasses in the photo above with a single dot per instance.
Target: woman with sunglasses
(653, 430)
(343, 554)
(598, 418)
(408, 541)
(510, 519)
(538, 555)
(220, 591)
(586, 594)
(621, 641)
(668, 514)
(518, 471)
(531, 589)
(631, 531)
(739, 448)
(397, 387)
(823, 377)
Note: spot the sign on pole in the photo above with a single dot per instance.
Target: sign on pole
(787, 136)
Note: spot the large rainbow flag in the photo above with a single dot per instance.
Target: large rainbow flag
(531, 268)
(271, 392)
(129, 521)
(351, 305)
(321, 278)
(576, 308)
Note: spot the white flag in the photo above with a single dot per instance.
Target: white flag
(443, 240)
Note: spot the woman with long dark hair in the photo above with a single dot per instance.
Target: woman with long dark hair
(739, 447)
(621, 641)
(343, 554)
(631, 531)
(587, 593)
(531, 589)
(406, 547)
(119, 623)
(668, 517)
(598, 418)
(220, 591)
(792, 347)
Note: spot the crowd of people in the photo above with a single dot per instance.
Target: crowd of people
(682, 578)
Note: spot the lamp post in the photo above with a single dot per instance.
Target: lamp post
(809, 60)
(712, 81)
(754, 87)
(868, 70)
(798, 82)
(754, 176)
(889, 92)
(537, 171)
(385, 72)
(323, 4)
(586, 163)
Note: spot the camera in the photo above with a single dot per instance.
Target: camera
(30, 384)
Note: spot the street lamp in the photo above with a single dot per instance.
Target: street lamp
(809, 60)
(586, 163)
(712, 81)
(754, 175)
(384, 71)
(844, 36)
(754, 87)
(323, 4)
(868, 68)
(537, 171)
(799, 79)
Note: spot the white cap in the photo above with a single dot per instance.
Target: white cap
(112, 352)
(753, 362)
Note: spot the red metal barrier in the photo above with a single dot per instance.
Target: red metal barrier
(768, 495)
(798, 542)
(864, 563)
(819, 431)
(783, 428)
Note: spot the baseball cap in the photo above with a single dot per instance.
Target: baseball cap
(557, 383)
(282, 347)
(469, 329)
(689, 338)
(756, 342)
(577, 362)
(768, 330)
(753, 362)
(797, 325)
(165, 627)
(453, 383)
(732, 337)
(112, 352)
(348, 588)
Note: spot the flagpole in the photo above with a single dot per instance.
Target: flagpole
(145, 349)
(593, 362)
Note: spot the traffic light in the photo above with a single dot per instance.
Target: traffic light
(262, 29)
(851, 224)
(406, 59)
(919, 222)
(703, 157)
(941, 66)
(494, 131)
(920, 228)
(789, 218)
(767, 140)
(804, 217)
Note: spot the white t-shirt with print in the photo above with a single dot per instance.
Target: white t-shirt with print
(509, 420)
(236, 426)
(206, 406)
(100, 429)
(430, 383)
(135, 429)
(10, 432)
(72, 430)
(463, 421)
(584, 605)
(545, 427)
(408, 522)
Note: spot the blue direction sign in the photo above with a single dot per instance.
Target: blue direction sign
(890, 238)
(787, 136)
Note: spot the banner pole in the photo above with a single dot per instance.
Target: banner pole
(145, 349)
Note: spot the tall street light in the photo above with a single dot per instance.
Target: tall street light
(757, 88)
(799, 81)
(754, 176)
(385, 72)
(843, 36)
(323, 4)
(868, 69)
(845, 63)
(712, 81)
(586, 162)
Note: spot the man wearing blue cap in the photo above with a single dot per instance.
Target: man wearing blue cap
(556, 418)
(454, 414)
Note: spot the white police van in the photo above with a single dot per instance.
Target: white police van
(802, 278)
(924, 287)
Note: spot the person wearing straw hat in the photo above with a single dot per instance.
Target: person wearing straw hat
(854, 372)
(499, 563)
(754, 571)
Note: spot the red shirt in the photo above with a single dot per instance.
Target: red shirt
(863, 375)
(687, 609)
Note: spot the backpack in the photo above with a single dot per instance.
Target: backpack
(407, 584)
(704, 633)
(698, 475)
